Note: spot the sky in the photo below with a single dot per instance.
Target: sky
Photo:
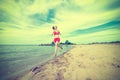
(79, 21)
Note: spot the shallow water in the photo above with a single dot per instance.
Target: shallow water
(15, 59)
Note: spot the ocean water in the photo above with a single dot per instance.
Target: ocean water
(16, 59)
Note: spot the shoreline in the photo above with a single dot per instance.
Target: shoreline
(42, 64)
(89, 61)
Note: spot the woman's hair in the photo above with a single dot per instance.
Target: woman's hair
(54, 27)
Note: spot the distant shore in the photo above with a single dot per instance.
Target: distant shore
(85, 62)
(70, 43)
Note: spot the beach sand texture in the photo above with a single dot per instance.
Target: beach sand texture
(83, 62)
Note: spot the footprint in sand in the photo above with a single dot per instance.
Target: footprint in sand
(81, 54)
(88, 79)
(115, 65)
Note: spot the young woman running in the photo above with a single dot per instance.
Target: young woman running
(56, 34)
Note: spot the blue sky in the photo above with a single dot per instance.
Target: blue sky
(80, 21)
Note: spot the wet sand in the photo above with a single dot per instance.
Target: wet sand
(83, 62)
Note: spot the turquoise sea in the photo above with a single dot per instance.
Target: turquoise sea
(16, 59)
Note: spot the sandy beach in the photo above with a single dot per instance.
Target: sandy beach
(83, 62)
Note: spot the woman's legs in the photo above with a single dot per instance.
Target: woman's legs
(60, 46)
(56, 48)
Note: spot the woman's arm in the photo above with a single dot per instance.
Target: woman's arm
(59, 32)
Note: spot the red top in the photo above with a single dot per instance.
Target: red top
(56, 32)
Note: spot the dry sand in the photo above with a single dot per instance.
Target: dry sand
(83, 62)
